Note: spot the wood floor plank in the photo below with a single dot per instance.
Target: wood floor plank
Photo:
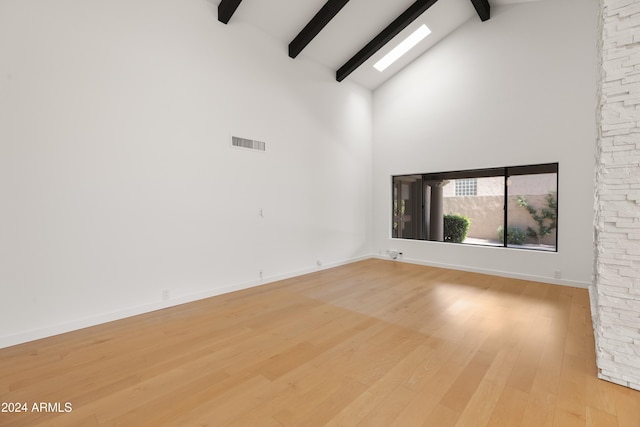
(540, 410)
(571, 406)
(384, 414)
(597, 418)
(600, 395)
(509, 409)
(460, 392)
(221, 409)
(443, 416)
(285, 361)
(327, 409)
(627, 406)
(370, 343)
(416, 411)
(479, 409)
(292, 396)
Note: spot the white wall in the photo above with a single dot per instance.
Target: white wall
(117, 179)
(518, 89)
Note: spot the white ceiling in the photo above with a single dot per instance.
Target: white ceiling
(353, 27)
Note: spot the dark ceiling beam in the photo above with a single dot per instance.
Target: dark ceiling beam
(483, 8)
(392, 30)
(317, 23)
(226, 8)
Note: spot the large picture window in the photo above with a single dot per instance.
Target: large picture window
(514, 207)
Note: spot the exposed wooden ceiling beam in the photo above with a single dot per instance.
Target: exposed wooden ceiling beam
(226, 8)
(483, 8)
(317, 23)
(392, 30)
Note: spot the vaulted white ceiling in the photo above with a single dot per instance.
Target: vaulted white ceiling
(353, 27)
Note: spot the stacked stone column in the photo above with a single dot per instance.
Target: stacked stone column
(615, 294)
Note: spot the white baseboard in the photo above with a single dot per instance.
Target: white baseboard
(509, 274)
(49, 331)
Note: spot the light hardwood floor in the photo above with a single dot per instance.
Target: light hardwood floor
(374, 343)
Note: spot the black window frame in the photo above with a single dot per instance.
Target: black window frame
(503, 172)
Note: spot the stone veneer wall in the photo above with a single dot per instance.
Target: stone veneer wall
(615, 295)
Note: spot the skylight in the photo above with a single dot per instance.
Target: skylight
(404, 47)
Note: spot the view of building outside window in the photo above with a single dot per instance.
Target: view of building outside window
(466, 187)
(531, 210)
(484, 209)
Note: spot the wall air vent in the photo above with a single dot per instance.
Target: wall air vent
(248, 143)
